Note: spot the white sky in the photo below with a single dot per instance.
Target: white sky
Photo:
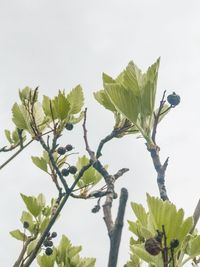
(59, 44)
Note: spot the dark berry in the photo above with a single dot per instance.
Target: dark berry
(174, 243)
(173, 99)
(72, 169)
(61, 150)
(54, 234)
(96, 209)
(152, 246)
(48, 243)
(48, 251)
(65, 172)
(69, 147)
(26, 225)
(69, 126)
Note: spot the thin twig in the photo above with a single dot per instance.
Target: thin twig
(90, 152)
(156, 118)
(25, 246)
(50, 154)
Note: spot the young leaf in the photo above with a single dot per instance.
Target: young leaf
(8, 136)
(46, 105)
(102, 97)
(76, 99)
(194, 247)
(18, 235)
(40, 163)
(27, 217)
(61, 105)
(46, 260)
(124, 101)
(32, 205)
(140, 213)
(20, 117)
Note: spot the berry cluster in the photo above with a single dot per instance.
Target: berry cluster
(62, 150)
(48, 243)
(71, 169)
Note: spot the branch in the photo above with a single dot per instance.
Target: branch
(20, 150)
(90, 152)
(50, 153)
(115, 236)
(25, 246)
(156, 118)
(160, 169)
(103, 141)
(54, 217)
(15, 154)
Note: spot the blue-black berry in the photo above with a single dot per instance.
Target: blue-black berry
(65, 172)
(54, 234)
(173, 99)
(72, 169)
(26, 225)
(69, 147)
(69, 126)
(61, 150)
(48, 251)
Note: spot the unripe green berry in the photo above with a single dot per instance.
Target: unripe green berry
(26, 225)
(61, 150)
(69, 147)
(48, 251)
(69, 126)
(72, 169)
(65, 172)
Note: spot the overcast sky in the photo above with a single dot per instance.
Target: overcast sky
(59, 44)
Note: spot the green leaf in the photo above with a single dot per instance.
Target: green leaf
(46, 105)
(194, 246)
(31, 246)
(46, 260)
(20, 117)
(76, 119)
(104, 100)
(143, 254)
(18, 235)
(61, 105)
(140, 213)
(27, 94)
(74, 251)
(41, 200)
(8, 136)
(64, 245)
(76, 99)
(32, 205)
(90, 176)
(40, 163)
(124, 101)
(44, 224)
(165, 213)
(27, 217)
(148, 93)
(38, 114)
